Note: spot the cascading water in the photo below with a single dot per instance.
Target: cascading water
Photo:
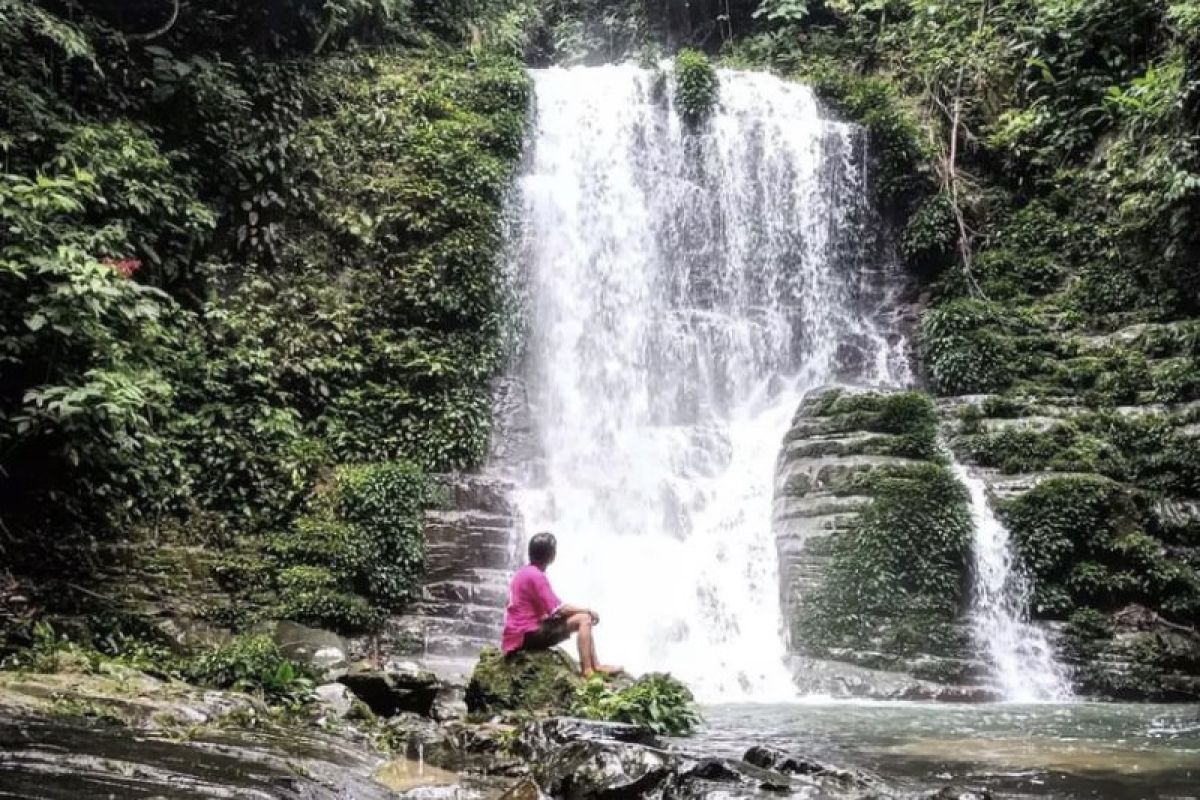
(1022, 661)
(684, 288)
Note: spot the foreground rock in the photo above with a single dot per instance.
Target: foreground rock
(66, 737)
(544, 682)
(585, 760)
(388, 693)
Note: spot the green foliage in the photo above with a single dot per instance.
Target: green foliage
(359, 553)
(657, 702)
(875, 595)
(234, 256)
(909, 418)
(929, 239)
(1084, 542)
(966, 347)
(786, 11)
(697, 88)
(252, 664)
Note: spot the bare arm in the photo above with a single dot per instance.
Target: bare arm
(568, 610)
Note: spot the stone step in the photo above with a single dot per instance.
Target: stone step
(461, 612)
(477, 592)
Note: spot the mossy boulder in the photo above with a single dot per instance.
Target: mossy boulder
(538, 682)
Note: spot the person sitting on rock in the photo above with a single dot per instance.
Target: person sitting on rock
(537, 620)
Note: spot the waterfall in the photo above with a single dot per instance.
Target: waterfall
(682, 290)
(1021, 659)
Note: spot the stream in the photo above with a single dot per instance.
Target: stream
(1065, 751)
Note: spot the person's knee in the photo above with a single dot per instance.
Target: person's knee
(580, 622)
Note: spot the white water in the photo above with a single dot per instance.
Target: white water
(683, 292)
(1022, 661)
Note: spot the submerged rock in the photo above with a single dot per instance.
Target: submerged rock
(544, 682)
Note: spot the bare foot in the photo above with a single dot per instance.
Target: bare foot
(607, 670)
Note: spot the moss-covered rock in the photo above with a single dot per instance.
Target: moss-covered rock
(530, 682)
(861, 487)
(1133, 654)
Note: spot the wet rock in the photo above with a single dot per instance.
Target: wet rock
(952, 793)
(471, 552)
(390, 693)
(320, 649)
(525, 789)
(335, 698)
(580, 759)
(543, 682)
(55, 759)
(594, 769)
(478, 748)
(774, 759)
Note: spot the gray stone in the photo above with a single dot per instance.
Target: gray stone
(335, 698)
(320, 649)
(390, 693)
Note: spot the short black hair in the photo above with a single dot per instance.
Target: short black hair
(542, 549)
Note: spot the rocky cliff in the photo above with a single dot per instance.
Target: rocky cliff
(872, 533)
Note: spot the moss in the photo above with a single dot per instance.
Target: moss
(874, 594)
(528, 682)
(909, 418)
(1084, 540)
(697, 88)
(360, 551)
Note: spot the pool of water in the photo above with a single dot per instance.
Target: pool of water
(1068, 751)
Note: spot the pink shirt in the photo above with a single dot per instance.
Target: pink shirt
(530, 600)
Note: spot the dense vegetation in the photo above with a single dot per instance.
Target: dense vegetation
(249, 299)
(248, 293)
(878, 603)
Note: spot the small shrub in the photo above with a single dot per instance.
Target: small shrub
(657, 701)
(697, 87)
(252, 664)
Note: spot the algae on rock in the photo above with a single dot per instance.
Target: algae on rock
(533, 682)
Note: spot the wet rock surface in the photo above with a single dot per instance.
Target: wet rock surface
(584, 760)
(388, 693)
(61, 760)
(820, 497)
(471, 552)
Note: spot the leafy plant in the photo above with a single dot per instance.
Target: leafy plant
(697, 88)
(656, 701)
(252, 664)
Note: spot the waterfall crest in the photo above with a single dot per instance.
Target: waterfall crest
(1020, 657)
(683, 289)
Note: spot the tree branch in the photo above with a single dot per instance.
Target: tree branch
(154, 34)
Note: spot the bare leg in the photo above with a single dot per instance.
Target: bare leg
(581, 625)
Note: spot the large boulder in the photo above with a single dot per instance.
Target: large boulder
(390, 693)
(538, 682)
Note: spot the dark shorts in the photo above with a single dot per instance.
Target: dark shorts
(551, 632)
